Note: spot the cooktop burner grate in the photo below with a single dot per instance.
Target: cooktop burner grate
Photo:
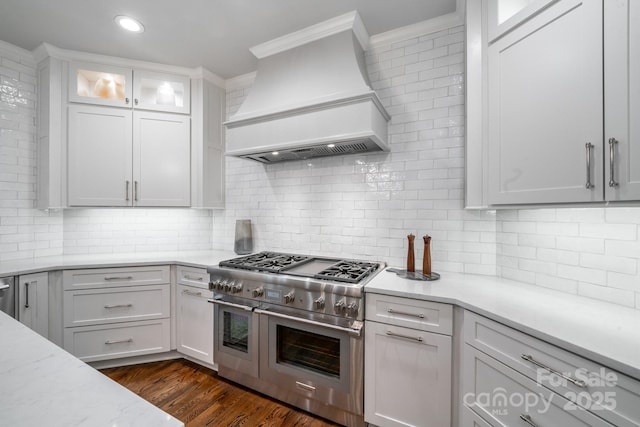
(265, 261)
(348, 271)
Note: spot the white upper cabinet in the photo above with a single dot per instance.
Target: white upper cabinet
(99, 156)
(124, 87)
(161, 159)
(545, 108)
(622, 99)
(554, 102)
(100, 84)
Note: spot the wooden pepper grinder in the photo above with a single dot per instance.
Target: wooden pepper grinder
(411, 259)
(426, 258)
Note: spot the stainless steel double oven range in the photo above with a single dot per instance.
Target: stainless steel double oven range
(291, 326)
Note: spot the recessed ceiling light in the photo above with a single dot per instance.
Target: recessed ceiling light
(275, 153)
(129, 24)
(331, 145)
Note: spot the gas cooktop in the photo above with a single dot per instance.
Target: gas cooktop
(338, 270)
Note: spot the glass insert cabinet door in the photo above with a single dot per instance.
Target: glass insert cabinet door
(131, 88)
(161, 92)
(504, 15)
(100, 84)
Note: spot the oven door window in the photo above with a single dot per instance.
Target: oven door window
(308, 351)
(235, 334)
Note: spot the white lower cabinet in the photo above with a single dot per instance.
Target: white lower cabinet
(195, 323)
(113, 341)
(194, 314)
(33, 302)
(407, 370)
(112, 313)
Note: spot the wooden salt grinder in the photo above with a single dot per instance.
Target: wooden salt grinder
(411, 259)
(426, 258)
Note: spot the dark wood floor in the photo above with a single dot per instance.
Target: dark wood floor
(197, 396)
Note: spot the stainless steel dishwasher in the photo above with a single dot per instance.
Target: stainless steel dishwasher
(8, 296)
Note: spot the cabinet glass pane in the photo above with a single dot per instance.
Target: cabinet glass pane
(96, 84)
(161, 92)
(508, 8)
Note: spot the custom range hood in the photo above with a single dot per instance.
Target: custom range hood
(311, 97)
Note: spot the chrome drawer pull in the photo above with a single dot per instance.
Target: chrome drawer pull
(3, 287)
(118, 306)
(126, 191)
(305, 387)
(612, 162)
(588, 146)
(527, 419)
(529, 358)
(193, 294)
(109, 342)
(193, 278)
(118, 277)
(404, 313)
(407, 337)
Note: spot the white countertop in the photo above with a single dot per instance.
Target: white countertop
(62, 262)
(43, 385)
(603, 332)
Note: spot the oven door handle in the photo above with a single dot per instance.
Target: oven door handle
(230, 304)
(356, 330)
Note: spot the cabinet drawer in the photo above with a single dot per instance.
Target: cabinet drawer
(504, 397)
(468, 418)
(112, 305)
(193, 276)
(92, 343)
(611, 395)
(410, 313)
(103, 277)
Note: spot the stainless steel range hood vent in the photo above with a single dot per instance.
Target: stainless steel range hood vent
(311, 97)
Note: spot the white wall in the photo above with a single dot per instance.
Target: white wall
(25, 232)
(594, 252)
(364, 206)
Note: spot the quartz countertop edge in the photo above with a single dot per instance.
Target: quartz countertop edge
(44, 385)
(603, 332)
(200, 259)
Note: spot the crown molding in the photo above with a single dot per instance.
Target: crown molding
(201, 72)
(348, 21)
(11, 48)
(241, 81)
(429, 26)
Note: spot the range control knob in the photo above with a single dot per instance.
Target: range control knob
(237, 288)
(228, 286)
(339, 307)
(213, 285)
(352, 309)
(319, 303)
(289, 298)
(220, 285)
(258, 292)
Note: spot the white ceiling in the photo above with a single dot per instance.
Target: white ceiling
(216, 34)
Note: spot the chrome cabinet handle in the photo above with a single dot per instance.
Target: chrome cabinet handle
(193, 278)
(588, 146)
(26, 296)
(118, 306)
(126, 191)
(404, 313)
(109, 342)
(3, 287)
(527, 419)
(193, 294)
(530, 359)
(118, 277)
(135, 101)
(126, 101)
(612, 161)
(135, 191)
(407, 337)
